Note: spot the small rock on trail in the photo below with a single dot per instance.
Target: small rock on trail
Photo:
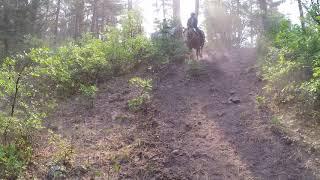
(220, 114)
(175, 152)
(235, 100)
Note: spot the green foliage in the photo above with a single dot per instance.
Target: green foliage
(15, 147)
(137, 103)
(132, 24)
(88, 91)
(276, 121)
(31, 83)
(313, 12)
(145, 84)
(291, 65)
(18, 131)
(195, 69)
(166, 46)
(124, 53)
(12, 162)
(144, 87)
(64, 151)
(261, 100)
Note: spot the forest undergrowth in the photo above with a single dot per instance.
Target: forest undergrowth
(289, 61)
(36, 82)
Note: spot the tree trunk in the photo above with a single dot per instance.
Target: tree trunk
(47, 10)
(14, 101)
(47, 14)
(164, 9)
(238, 7)
(103, 23)
(76, 27)
(251, 22)
(56, 24)
(33, 17)
(176, 12)
(197, 7)
(303, 26)
(6, 35)
(94, 16)
(177, 17)
(129, 5)
(79, 15)
(263, 9)
(238, 23)
(6, 47)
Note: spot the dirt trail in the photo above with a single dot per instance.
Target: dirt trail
(203, 124)
(209, 137)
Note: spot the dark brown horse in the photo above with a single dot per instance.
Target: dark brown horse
(194, 41)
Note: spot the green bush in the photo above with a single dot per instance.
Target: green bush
(291, 65)
(31, 83)
(168, 48)
(124, 53)
(12, 162)
(15, 147)
(166, 45)
(144, 87)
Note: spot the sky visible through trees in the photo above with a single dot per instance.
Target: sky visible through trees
(187, 6)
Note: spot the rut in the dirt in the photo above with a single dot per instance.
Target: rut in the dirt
(213, 129)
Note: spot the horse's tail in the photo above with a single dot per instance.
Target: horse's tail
(203, 40)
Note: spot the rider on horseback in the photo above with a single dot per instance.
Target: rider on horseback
(193, 24)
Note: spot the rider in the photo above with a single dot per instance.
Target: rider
(193, 24)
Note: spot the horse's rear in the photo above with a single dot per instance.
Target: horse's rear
(194, 41)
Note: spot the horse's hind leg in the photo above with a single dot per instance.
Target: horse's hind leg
(198, 53)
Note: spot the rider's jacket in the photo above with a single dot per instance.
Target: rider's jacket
(192, 22)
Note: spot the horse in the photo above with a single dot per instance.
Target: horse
(194, 41)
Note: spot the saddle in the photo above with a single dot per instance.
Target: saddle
(200, 33)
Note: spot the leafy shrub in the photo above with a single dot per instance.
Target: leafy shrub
(64, 150)
(88, 91)
(276, 121)
(291, 65)
(195, 69)
(136, 104)
(132, 24)
(166, 44)
(144, 86)
(168, 48)
(31, 83)
(124, 53)
(15, 147)
(261, 101)
(12, 161)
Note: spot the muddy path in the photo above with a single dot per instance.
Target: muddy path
(212, 128)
